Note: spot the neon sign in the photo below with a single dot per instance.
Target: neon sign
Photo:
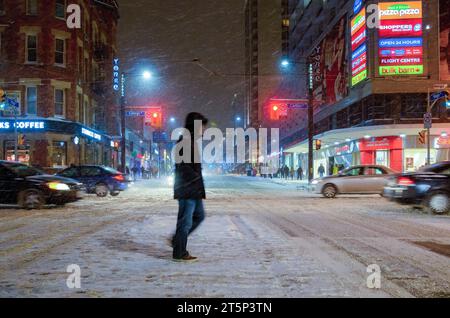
(91, 134)
(400, 38)
(116, 77)
(23, 125)
(359, 47)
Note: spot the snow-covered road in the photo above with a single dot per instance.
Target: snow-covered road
(261, 239)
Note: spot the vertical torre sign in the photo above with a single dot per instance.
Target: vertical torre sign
(359, 46)
(400, 44)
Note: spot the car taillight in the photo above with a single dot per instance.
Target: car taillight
(405, 181)
(119, 177)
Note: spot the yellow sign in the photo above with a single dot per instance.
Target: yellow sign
(359, 21)
(400, 10)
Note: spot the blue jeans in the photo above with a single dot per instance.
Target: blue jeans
(190, 215)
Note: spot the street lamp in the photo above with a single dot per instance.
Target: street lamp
(285, 64)
(146, 75)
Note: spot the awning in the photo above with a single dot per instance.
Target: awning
(339, 136)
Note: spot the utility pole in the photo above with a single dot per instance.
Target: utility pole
(309, 71)
(123, 142)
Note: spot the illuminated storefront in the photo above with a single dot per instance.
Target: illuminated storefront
(54, 144)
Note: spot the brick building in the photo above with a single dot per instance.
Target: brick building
(62, 80)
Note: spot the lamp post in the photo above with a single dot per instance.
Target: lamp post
(285, 64)
(123, 82)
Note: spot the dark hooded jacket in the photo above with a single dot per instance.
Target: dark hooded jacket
(188, 175)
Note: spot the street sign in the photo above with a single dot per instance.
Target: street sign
(440, 86)
(428, 120)
(12, 102)
(159, 137)
(135, 114)
(297, 106)
(436, 96)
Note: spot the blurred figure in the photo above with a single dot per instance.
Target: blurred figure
(321, 170)
(299, 173)
(189, 190)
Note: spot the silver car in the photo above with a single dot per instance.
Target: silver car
(370, 179)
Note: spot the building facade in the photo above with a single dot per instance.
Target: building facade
(266, 42)
(370, 84)
(61, 78)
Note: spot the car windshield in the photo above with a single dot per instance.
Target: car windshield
(23, 170)
(436, 168)
(111, 170)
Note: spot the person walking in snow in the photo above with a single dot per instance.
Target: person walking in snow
(189, 190)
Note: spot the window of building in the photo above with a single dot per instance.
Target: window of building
(2, 7)
(31, 48)
(59, 154)
(32, 7)
(59, 102)
(60, 51)
(60, 9)
(31, 100)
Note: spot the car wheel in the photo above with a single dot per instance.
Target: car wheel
(329, 191)
(115, 193)
(31, 199)
(101, 190)
(439, 203)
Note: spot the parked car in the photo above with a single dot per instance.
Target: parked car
(100, 180)
(430, 186)
(369, 179)
(31, 188)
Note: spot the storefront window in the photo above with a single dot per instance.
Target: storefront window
(417, 158)
(382, 158)
(23, 152)
(59, 154)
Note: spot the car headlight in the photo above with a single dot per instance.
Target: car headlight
(315, 182)
(58, 186)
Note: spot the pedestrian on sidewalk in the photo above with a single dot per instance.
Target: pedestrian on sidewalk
(300, 173)
(321, 170)
(189, 190)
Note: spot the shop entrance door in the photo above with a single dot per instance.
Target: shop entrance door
(382, 158)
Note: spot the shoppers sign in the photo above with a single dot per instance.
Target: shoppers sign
(400, 38)
(359, 47)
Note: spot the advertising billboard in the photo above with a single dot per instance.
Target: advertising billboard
(329, 67)
(400, 38)
(359, 47)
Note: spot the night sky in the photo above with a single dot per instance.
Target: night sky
(159, 35)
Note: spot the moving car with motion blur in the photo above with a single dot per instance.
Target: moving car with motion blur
(370, 179)
(100, 180)
(31, 188)
(430, 187)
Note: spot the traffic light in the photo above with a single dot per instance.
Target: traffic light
(318, 144)
(2, 99)
(275, 112)
(423, 137)
(154, 119)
